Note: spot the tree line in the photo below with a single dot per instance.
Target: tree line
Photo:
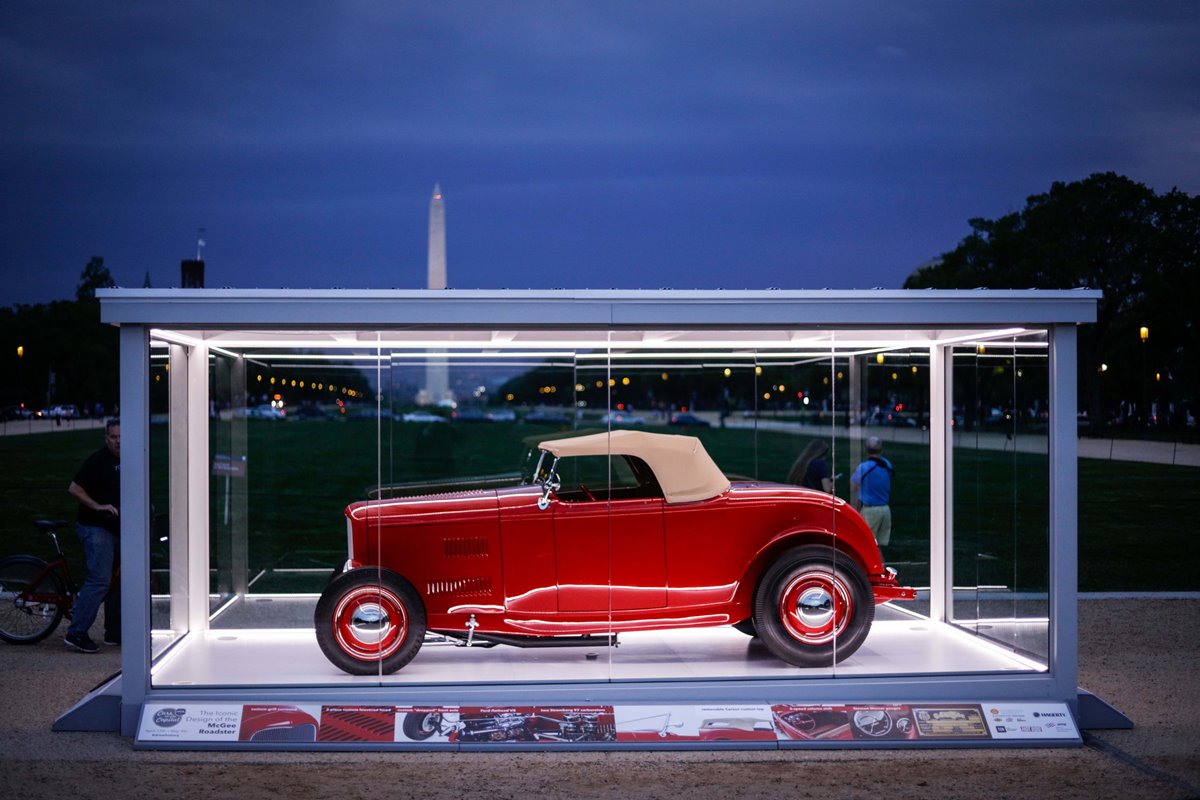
(1142, 249)
(1106, 232)
(58, 353)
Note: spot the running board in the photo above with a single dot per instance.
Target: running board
(598, 640)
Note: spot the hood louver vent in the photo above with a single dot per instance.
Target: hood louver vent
(461, 587)
(465, 548)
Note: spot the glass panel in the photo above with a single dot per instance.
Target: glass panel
(1001, 493)
(293, 440)
(882, 399)
(458, 428)
(899, 400)
(225, 477)
(798, 446)
(431, 449)
(160, 501)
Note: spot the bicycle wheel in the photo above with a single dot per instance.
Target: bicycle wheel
(25, 619)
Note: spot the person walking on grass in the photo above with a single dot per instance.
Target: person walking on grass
(811, 469)
(872, 481)
(97, 487)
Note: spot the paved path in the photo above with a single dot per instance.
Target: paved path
(23, 426)
(1176, 453)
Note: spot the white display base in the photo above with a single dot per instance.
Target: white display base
(291, 657)
(258, 680)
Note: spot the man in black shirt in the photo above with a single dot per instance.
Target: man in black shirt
(97, 487)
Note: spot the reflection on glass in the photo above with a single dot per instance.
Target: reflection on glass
(282, 464)
(1001, 493)
(226, 532)
(160, 493)
(891, 406)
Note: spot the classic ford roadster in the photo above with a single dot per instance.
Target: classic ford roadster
(609, 533)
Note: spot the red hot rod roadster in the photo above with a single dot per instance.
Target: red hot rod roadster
(611, 532)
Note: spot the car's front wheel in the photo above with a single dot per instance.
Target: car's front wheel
(369, 621)
(813, 606)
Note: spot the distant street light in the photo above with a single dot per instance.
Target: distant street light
(21, 373)
(1144, 334)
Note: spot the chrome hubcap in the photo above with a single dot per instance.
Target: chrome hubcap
(815, 608)
(370, 624)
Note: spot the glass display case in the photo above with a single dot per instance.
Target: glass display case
(508, 499)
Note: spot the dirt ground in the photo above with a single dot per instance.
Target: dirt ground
(1140, 655)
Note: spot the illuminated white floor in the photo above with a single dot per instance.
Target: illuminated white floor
(291, 657)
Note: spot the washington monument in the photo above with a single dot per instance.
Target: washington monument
(437, 240)
(437, 379)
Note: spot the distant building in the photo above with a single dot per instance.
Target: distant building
(191, 273)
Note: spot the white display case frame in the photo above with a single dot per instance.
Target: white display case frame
(189, 317)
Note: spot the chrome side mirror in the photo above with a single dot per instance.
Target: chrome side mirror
(551, 484)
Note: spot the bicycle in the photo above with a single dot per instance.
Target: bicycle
(35, 594)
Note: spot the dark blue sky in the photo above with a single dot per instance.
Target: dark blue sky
(579, 145)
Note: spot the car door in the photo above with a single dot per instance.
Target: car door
(609, 539)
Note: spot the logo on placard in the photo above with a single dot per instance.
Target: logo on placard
(1048, 714)
(169, 717)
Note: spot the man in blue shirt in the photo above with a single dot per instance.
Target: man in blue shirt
(872, 481)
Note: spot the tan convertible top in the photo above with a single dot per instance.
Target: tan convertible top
(685, 470)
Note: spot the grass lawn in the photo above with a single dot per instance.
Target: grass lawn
(1134, 518)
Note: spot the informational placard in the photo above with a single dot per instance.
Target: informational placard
(779, 724)
(190, 722)
(1018, 721)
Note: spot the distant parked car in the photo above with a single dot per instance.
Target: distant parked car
(16, 412)
(547, 418)
(622, 418)
(470, 415)
(309, 411)
(687, 418)
(502, 415)
(265, 411)
(422, 416)
(60, 412)
(369, 412)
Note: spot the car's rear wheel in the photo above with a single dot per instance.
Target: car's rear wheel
(814, 606)
(369, 621)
